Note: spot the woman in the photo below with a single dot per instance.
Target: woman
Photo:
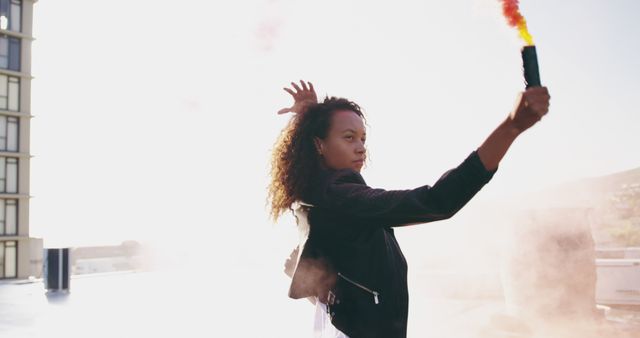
(350, 264)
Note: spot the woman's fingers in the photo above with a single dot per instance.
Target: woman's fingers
(284, 111)
(533, 105)
(296, 87)
(538, 94)
(537, 99)
(306, 87)
(301, 96)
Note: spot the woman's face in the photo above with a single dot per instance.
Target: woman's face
(344, 145)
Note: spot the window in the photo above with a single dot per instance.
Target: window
(9, 93)
(9, 53)
(11, 15)
(8, 259)
(8, 217)
(9, 129)
(8, 175)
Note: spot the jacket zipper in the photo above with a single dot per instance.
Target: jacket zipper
(374, 293)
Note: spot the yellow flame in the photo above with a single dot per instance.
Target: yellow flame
(524, 32)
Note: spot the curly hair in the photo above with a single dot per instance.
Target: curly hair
(295, 161)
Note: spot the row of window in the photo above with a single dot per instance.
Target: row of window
(8, 259)
(9, 91)
(10, 46)
(10, 59)
(10, 54)
(9, 125)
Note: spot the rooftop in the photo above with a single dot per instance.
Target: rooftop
(240, 303)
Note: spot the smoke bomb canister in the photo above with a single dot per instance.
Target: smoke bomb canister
(530, 66)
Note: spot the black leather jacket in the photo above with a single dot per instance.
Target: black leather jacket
(352, 251)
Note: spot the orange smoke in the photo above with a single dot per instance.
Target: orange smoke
(515, 19)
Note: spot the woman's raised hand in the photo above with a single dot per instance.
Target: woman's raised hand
(531, 106)
(304, 97)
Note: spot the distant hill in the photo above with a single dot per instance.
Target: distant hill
(611, 201)
(605, 184)
(586, 192)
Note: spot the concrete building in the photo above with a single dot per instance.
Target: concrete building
(20, 255)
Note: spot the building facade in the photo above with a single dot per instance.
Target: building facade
(20, 255)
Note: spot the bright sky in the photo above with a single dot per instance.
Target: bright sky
(154, 120)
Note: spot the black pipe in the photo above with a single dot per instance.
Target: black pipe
(530, 67)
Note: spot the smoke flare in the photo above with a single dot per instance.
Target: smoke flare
(515, 19)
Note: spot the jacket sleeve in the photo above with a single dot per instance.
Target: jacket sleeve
(348, 193)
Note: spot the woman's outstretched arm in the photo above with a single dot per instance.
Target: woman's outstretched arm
(531, 105)
(346, 190)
